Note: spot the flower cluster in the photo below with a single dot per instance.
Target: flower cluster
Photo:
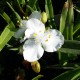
(37, 38)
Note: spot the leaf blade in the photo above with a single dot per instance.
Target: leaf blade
(69, 75)
(5, 37)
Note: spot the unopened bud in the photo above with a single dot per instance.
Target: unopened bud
(44, 17)
(27, 17)
(21, 50)
(35, 66)
(66, 5)
(24, 17)
(18, 23)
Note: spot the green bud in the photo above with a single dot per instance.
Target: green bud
(44, 17)
(24, 17)
(36, 66)
(21, 50)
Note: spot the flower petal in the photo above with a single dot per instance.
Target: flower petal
(32, 50)
(36, 25)
(23, 24)
(52, 40)
(28, 33)
(36, 15)
(19, 33)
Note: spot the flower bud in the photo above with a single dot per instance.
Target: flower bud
(24, 17)
(44, 17)
(21, 50)
(35, 66)
(18, 23)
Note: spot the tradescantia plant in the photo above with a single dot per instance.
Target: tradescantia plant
(37, 31)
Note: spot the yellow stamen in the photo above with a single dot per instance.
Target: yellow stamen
(34, 34)
(46, 40)
(49, 36)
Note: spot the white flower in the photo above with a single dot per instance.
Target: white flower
(52, 40)
(40, 40)
(34, 27)
(21, 30)
(23, 24)
(32, 50)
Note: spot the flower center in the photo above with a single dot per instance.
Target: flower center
(49, 36)
(46, 40)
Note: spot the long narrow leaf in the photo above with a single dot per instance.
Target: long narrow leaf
(77, 25)
(72, 44)
(49, 9)
(69, 51)
(63, 57)
(21, 2)
(69, 47)
(37, 77)
(8, 32)
(17, 15)
(70, 20)
(76, 28)
(63, 17)
(5, 36)
(31, 9)
(7, 18)
(32, 3)
(69, 75)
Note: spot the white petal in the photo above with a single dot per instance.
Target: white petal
(36, 25)
(28, 33)
(36, 15)
(32, 51)
(19, 33)
(23, 24)
(53, 40)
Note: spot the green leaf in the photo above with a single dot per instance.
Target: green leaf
(63, 57)
(32, 4)
(66, 27)
(16, 14)
(31, 9)
(76, 28)
(69, 75)
(69, 47)
(63, 17)
(70, 20)
(69, 51)
(77, 20)
(7, 18)
(37, 77)
(49, 9)
(72, 44)
(21, 2)
(20, 7)
(8, 32)
(5, 36)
